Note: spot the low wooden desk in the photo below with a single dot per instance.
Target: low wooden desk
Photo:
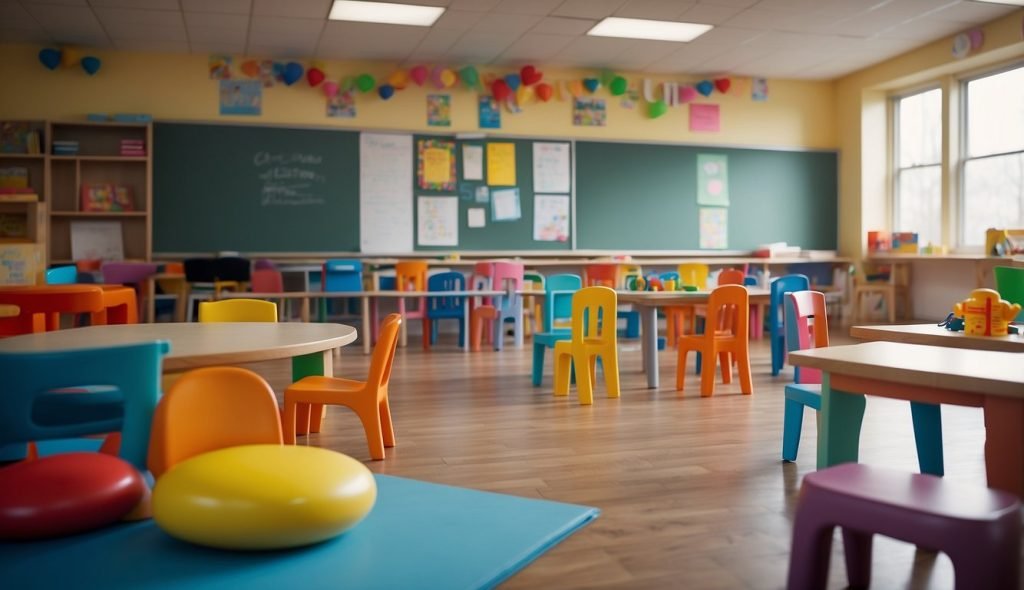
(933, 335)
(650, 301)
(985, 379)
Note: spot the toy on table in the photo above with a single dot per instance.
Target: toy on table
(952, 323)
(986, 314)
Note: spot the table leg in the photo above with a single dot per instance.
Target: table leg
(304, 310)
(151, 300)
(465, 325)
(1004, 443)
(366, 324)
(841, 417)
(309, 417)
(649, 343)
(928, 436)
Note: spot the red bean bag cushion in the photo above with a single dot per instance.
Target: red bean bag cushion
(66, 494)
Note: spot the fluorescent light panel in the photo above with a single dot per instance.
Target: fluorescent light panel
(385, 12)
(638, 28)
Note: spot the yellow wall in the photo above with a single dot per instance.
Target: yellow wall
(798, 114)
(861, 106)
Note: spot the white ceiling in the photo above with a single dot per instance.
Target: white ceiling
(813, 39)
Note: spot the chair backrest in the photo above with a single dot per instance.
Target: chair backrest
(731, 276)
(533, 278)
(263, 264)
(603, 275)
(48, 395)
(1010, 284)
(411, 275)
(508, 275)
(751, 281)
(233, 268)
(342, 274)
(729, 309)
(776, 298)
(594, 311)
(62, 275)
(694, 274)
(384, 354)
(801, 334)
(447, 281)
(237, 310)
(266, 280)
(200, 270)
(210, 409)
(558, 292)
(127, 273)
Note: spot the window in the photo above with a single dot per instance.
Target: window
(918, 166)
(993, 157)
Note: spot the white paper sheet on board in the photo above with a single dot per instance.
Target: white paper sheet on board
(476, 217)
(714, 228)
(96, 240)
(505, 204)
(550, 167)
(473, 162)
(385, 193)
(438, 221)
(551, 218)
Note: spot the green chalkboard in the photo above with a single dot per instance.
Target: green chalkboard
(644, 197)
(254, 189)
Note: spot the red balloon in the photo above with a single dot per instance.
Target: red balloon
(529, 75)
(500, 90)
(66, 494)
(544, 91)
(723, 84)
(314, 76)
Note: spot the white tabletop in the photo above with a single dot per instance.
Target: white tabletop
(934, 335)
(662, 298)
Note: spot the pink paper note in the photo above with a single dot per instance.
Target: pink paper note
(704, 117)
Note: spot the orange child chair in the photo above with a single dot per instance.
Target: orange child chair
(410, 275)
(728, 311)
(594, 335)
(481, 308)
(209, 409)
(368, 399)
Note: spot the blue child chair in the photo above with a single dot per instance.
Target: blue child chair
(776, 332)
(71, 393)
(340, 275)
(439, 308)
(62, 275)
(558, 292)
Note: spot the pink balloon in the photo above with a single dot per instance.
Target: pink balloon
(687, 94)
(418, 74)
(436, 77)
(330, 89)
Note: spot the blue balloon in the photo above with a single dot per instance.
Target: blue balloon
(513, 81)
(705, 87)
(292, 73)
(386, 91)
(50, 58)
(91, 64)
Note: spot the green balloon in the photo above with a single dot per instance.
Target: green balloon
(607, 76)
(470, 77)
(656, 109)
(618, 86)
(365, 83)
(348, 84)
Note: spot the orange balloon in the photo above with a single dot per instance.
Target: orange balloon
(251, 68)
(576, 88)
(544, 91)
(399, 79)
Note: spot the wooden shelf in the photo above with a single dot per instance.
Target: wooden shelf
(22, 156)
(98, 214)
(103, 158)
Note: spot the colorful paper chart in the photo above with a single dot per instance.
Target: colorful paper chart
(435, 168)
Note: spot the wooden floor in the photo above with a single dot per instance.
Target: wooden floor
(692, 491)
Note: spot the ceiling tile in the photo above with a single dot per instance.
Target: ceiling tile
(710, 14)
(131, 16)
(369, 41)
(728, 36)
(221, 6)
(478, 5)
(293, 8)
(506, 23)
(746, 3)
(232, 22)
(595, 50)
(480, 47)
(457, 20)
(152, 45)
(266, 27)
(24, 35)
(300, 49)
(217, 46)
(654, 9)
(434, 44)
(922, 30)
(535, 47)
(972, 12)
(120, 32)
(213, 34)
(59, 2)
(70, 24)
(137, 4)
(588, 8)
(557, 25)
(538, 7)
(13, 16)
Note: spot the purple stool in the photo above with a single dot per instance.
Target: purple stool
(978, 528)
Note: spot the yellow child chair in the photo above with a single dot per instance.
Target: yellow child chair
(681, 319)
(368, 399)
(238, 310)
(594, 335)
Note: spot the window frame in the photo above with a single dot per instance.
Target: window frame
(894, 141)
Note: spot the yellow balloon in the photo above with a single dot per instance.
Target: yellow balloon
(263, 497)
(448, 78)
(69, 57)
(399, 79)
(524, 94)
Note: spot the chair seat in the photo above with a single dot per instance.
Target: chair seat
(550, 338)
(321, 383)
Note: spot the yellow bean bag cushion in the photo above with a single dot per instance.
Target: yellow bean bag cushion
(263, 497)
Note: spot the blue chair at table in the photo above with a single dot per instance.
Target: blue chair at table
(776, 332)
(341, 275)
(62, 275)
(558, 292)
(441, 308)
(72, 393)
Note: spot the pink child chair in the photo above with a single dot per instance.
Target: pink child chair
(506, 276)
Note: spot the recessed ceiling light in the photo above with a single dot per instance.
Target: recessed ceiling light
(1013, 2)
(385, 12)
(638, 28)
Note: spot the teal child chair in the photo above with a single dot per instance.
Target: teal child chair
(440, 308)
(340, 275)
(1010, 284)
(62, 275)
(801, 306)
(71, 393)
(558, 292)
(776, 311)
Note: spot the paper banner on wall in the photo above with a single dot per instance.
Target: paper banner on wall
(490, 113)
(714, 228)
(439, 110)
(476, 217)
(759, 89)
(220, 67)
(550, 167)
(436, 165)
(704, 117)
(472, 162)
(551, 218)
(96, 240)
(240, 97)
(437, 221)
(713, 180)
(342, 104)
(501, 164)
(505, 205)
(588, 112)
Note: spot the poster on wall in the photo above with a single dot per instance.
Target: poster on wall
(435, 168)
(439, 110)
(550, 167)
(220, 67)
(437, 221)
(705, 117)
(501, 164)
(714, 228)
(713, 180)
(551, 218)
(759, 89)
(472, 162)
(490, 113)
(342, 105)
(476, 217)
(588, 112)
(505, 205)
(385, 193)
(240, 97)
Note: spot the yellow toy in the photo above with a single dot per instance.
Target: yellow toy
(263, 497)
(985, 314)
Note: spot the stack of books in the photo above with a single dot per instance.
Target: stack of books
(65, 147)
(133, 147)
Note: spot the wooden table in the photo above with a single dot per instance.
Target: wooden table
(933, 335)
(927, 375)
(650, 301)
(195, 345)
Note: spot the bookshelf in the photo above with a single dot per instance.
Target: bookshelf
(23, 219)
